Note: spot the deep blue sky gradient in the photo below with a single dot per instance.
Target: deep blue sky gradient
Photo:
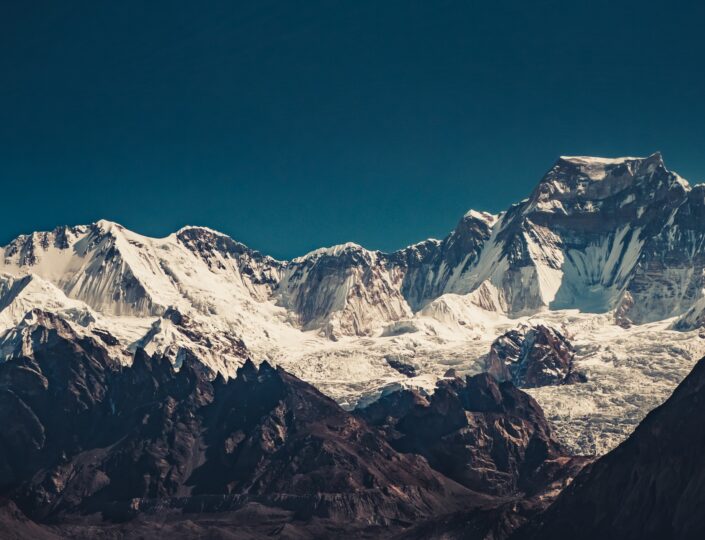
(292, 125)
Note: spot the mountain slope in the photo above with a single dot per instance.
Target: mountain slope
(488, 436)
(21, 295)
(651, 486)
(433, 267)
(345, 290)
(86, 435)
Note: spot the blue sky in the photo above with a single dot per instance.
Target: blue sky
(292, 125)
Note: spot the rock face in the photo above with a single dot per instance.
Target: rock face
(576, 241)
(258, 273)
(486, 435)
(650, 487)
(92, 449)
(84, 435)
(14, 524)
(533, 356)
(345, 290)
(434, 267)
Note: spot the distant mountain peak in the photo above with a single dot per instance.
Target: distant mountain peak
(107, 225)
(332, 251)
(199, 229)
(487, 217)
(580, 183)
(603, 161)
(599, 168)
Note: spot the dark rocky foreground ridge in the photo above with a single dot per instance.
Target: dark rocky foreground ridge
(90, 448)
(93, 449)
(490, 437)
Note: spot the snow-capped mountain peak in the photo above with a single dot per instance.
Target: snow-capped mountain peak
(197, 229)
(484, 216)
(332, 251)
(584, 184)
(105, 225)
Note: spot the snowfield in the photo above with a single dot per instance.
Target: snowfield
(629, 371)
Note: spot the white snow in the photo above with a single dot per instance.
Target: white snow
(590, 160)
(482, 216)
(332, 251)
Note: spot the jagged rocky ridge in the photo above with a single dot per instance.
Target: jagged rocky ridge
(90, 446)
(651, 487)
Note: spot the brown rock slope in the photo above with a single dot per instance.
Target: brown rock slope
(489, 436)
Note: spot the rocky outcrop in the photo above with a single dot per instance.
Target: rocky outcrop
(486, 435)
(532, 356)
(650, 487)
(15, 525)
(404, 368)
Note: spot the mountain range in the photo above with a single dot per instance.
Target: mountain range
(486, 385)
(606, 245)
